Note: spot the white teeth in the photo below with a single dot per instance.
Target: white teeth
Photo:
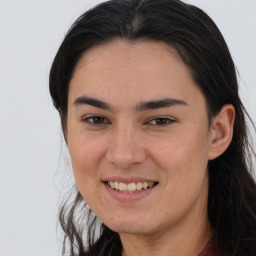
(130, 187)
(116, 185)
(112, 184)
(144, 185)
(151, 184)
(139, 186)
(123, 186)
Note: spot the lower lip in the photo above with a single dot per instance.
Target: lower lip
(128, 197)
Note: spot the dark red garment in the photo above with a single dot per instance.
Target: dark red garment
(209, 250)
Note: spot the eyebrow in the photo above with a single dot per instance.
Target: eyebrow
(92, 102)
(162, 103)
(142, 106)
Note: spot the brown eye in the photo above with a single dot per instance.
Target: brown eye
(161, 121)
(98, 119)
(95, 120)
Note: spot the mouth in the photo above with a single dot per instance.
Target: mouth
(130, 187)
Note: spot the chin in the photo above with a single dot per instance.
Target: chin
(128, 229)
(130, 226)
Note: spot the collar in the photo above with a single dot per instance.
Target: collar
(209, 250)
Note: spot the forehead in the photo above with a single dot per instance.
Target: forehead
(143, 70)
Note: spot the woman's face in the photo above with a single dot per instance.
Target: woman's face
(138, 136)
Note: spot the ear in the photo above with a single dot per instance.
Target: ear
(221, 131)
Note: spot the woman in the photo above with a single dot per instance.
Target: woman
(148, 99)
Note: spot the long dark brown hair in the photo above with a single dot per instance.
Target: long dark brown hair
(232, 189)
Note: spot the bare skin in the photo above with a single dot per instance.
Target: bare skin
(187, 240)
(136, 116)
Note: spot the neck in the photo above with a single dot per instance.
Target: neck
(176, 242)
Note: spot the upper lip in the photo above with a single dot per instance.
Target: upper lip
(127, 179)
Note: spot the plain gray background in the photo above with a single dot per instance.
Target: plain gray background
(31, 164)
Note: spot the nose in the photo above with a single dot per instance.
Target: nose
(126, 148)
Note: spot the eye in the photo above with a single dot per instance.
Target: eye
(95, 120)
(160, 121)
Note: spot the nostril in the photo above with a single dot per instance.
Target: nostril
(125, 158)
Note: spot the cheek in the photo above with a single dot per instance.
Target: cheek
(181, 150)
(86, 156)
(183, 162)
(85, 151)
(183, 159)
(85, 161)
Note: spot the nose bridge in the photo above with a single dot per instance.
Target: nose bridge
(125, 147)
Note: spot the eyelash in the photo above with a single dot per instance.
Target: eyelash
(160, 119)
(93, 118)
(103, 121)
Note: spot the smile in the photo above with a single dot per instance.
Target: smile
(130, 187)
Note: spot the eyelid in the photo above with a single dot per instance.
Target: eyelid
(169, 120)
(86, 119)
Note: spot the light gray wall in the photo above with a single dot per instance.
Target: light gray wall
(30, 33)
